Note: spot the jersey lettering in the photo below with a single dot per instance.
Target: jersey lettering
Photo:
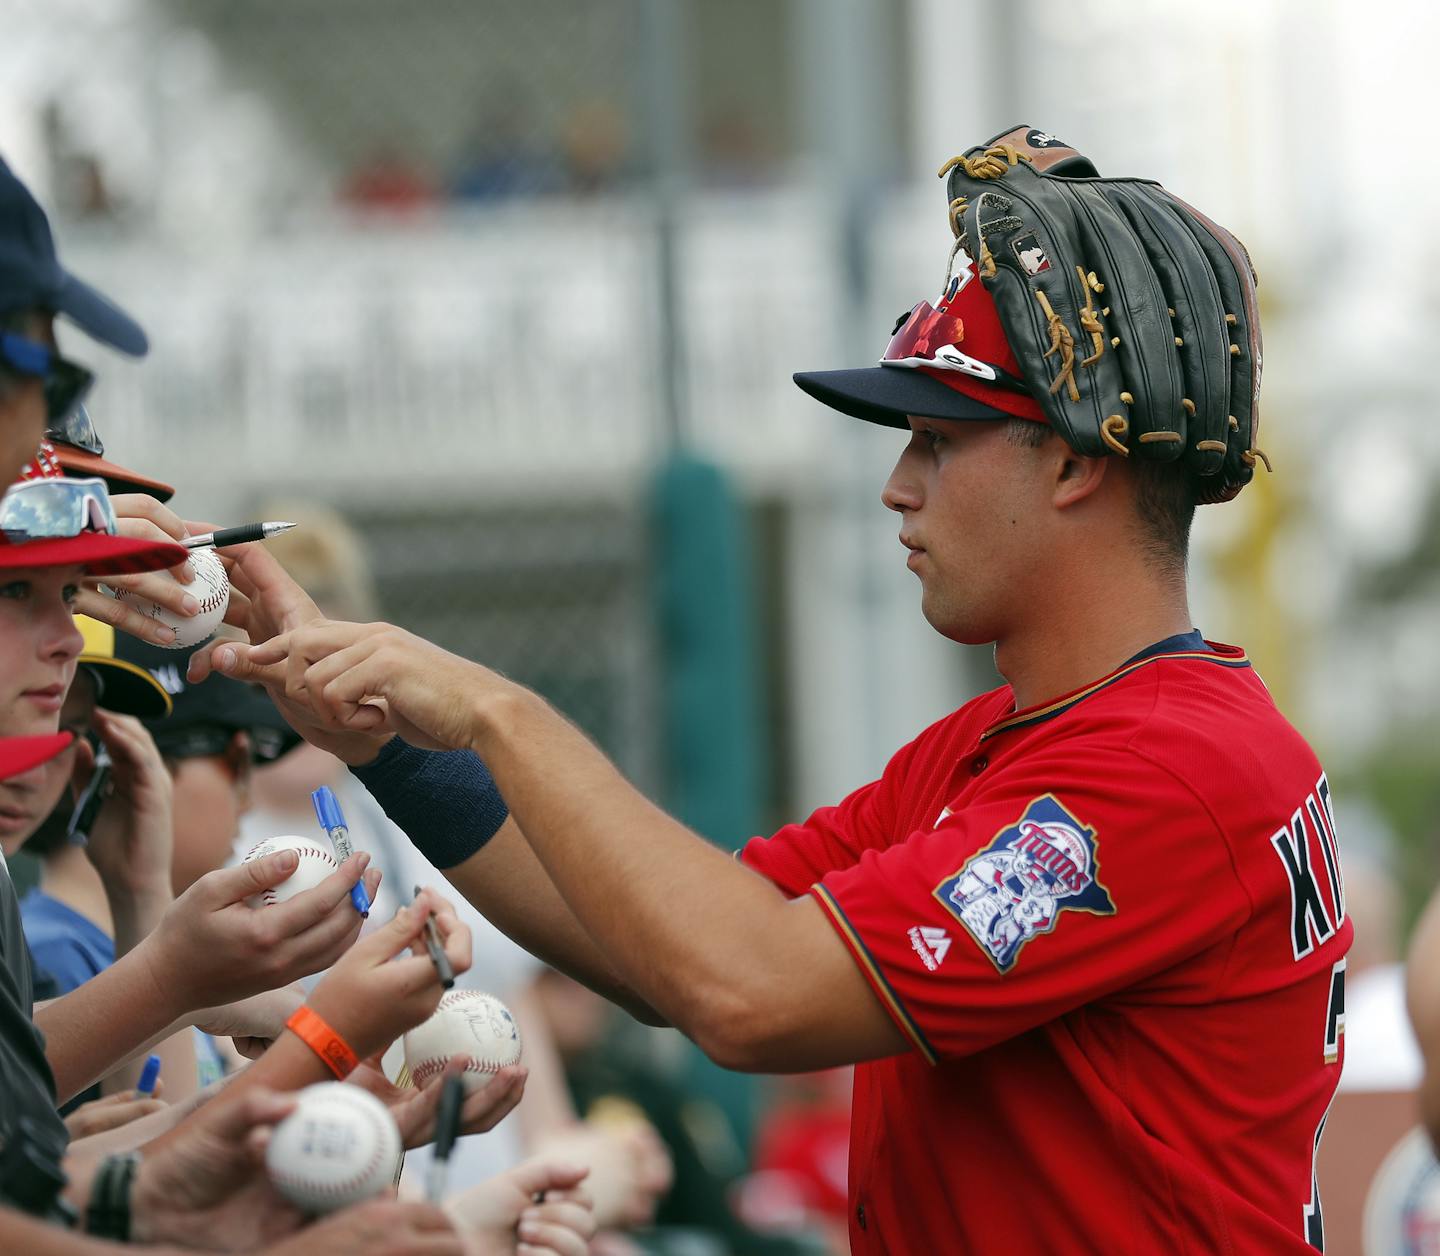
(1335, 1013)
(1324, 817)
(1309, 922)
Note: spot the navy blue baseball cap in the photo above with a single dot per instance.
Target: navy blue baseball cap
(31, 276)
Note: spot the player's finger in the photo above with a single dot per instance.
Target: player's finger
(263, 578)
(237, 660)
(238, 610)
(90, 601)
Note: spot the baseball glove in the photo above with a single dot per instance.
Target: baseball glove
(1132, 315)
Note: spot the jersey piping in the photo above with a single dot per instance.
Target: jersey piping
(898, 1011)
(1036, 715)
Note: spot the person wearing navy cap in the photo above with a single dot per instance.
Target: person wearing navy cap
(39, 387)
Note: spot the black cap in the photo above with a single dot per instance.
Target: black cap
(31, 276)
(886, 394)
(207, 715)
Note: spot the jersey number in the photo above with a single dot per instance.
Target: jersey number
(1334, 1028)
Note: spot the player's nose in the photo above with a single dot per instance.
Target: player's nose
(902, 489)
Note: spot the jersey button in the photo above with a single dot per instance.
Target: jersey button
(978, 764)
(860, 1215)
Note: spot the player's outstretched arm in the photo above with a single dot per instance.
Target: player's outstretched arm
(760, 982)
(503, 879)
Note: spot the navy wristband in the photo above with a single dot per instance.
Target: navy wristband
(445, 801)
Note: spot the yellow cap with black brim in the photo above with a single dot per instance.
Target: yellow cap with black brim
(124, 686)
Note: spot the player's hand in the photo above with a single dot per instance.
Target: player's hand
(252, 1024)
(142, 516)
(206, 1185)
(502, 1215)
(111, 1112)
(264, 603)
(210, 945)
(378, 1228)
(371, 678)
(414, 1108)
(370, 997)
(133, 835)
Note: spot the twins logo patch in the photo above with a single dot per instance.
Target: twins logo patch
(1018, 886)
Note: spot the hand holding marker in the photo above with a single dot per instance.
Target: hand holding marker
(332, 820)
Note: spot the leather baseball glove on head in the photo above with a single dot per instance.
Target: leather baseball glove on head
(1132, 316)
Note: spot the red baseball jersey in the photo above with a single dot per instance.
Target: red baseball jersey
(1113, 930)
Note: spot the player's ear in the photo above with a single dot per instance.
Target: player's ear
(1076, 477)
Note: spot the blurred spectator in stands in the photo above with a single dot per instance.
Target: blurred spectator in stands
(596, 144)
(802, 1158)
(502, 157)
(79, 189)
(734, 152)
(390, 182)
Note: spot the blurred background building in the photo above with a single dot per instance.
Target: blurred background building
(518, 288)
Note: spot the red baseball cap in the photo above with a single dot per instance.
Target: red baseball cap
(19, 754)
(94, 544)
(949, 360)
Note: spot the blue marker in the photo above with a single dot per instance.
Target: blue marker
(149, 1075)
(332, 820)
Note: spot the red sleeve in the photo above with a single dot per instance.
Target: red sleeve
(1054, 886)
(798, 855)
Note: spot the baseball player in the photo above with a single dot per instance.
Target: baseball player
(1084, 937)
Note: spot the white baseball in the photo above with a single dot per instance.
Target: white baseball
(317, 861)
(211, 589)
(337, 1148)
(467, 1022)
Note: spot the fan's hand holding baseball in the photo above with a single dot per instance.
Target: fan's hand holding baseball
(142, 516)
(503, 1217)
(371, 678)
(211, 945)
(206, 1187)
(370, 997)
(414, 1107)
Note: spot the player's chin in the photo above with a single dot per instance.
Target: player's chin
(957, 622)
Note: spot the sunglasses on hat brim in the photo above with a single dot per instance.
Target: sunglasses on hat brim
(50, 509)
(931, 338)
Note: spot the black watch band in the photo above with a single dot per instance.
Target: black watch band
(107, 1215)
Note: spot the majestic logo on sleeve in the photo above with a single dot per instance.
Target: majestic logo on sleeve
(1017, 887)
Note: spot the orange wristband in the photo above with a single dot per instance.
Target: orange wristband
(312, 1030)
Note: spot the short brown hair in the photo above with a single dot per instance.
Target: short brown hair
(1166, 494)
